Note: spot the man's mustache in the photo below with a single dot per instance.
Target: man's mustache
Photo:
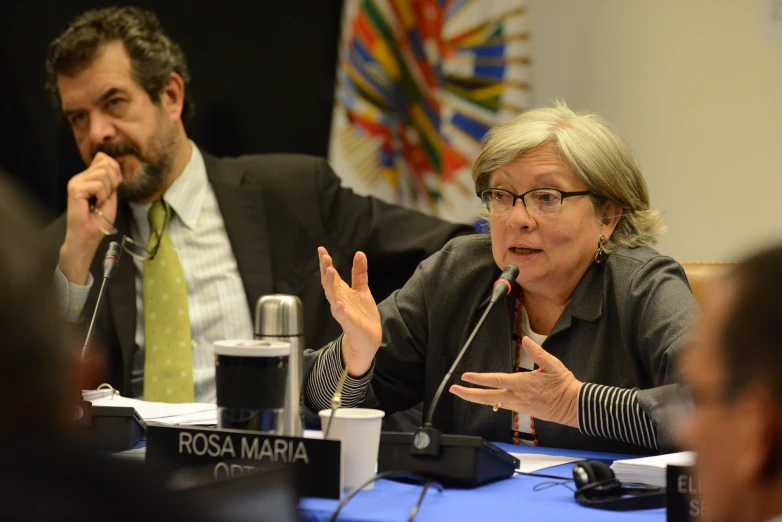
(118, 149)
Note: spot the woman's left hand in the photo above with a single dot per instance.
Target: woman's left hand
(549, 393)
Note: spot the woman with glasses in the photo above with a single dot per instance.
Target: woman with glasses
(581, 351)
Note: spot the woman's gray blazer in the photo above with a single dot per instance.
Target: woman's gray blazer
(624, 325)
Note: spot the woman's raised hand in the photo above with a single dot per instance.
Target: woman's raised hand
(355, 310)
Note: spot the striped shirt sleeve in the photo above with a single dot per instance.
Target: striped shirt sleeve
(614, 413)
(322, 381)
(73, 297)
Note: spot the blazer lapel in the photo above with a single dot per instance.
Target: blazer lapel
(243, 211)
(121, 292)
(585, 304)
(491, 351)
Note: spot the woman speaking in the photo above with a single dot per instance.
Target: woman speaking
(579, 353)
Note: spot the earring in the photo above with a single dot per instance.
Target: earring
(600, 255)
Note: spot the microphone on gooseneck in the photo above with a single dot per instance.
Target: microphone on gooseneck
(109, 425)
(426, 439)
(111, 259)
(503, 285)
(110, 264)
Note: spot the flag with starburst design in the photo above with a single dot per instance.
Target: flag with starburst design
(419, 83)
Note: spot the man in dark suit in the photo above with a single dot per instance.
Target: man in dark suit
(227, 230)
(49, 472)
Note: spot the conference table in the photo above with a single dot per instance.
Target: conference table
(515, 498)
(505, 500)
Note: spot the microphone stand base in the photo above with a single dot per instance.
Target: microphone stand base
(116, 428)
(463, 461)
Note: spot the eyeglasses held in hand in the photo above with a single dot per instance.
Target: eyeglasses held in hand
(133, 248)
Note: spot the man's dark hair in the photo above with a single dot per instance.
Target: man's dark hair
(35, 351)
(752, 334)
(153, 55)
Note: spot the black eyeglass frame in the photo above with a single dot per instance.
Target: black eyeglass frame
(562, 193)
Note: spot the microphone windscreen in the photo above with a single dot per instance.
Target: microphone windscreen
(504, 284)
(512, 272)
(111, 260)
(114, 250)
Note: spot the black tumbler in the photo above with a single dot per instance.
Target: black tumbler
(251, 379)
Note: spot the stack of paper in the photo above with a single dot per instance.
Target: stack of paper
(94, 395)
(532, 462)
(188, 413)
(650, 470)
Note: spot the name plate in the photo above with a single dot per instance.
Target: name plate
(682, 489)
(231, 453)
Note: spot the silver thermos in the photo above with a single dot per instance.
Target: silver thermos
(280, 317)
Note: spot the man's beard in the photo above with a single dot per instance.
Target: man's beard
(146, 180)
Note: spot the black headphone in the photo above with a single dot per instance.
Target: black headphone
(598, 487)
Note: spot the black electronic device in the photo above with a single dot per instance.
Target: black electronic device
(598, 487)
(116, 428)
(464, 461)
(453, 460)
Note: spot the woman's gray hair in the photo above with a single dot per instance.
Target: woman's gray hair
(596, 153)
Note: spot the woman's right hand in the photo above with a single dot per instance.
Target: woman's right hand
(355, 310)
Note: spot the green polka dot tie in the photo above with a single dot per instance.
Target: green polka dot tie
(168, 355)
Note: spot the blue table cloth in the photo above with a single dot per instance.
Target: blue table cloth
(507, 500)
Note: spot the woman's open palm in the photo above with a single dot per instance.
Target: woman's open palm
(355, 310)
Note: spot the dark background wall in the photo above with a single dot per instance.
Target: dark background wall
(262, 81)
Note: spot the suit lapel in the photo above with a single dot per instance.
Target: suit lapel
(585, 304)
(121, 292)
(488, 353)
(244, 216)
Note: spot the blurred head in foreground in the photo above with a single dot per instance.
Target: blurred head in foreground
(39, 360)
(734, 372)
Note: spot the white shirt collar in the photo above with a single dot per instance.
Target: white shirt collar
(186, 194)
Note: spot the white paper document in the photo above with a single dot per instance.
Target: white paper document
(188, 413)
(94, 395)
(650, 470)
(532, 462)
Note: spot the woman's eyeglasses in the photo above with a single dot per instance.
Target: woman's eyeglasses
(539, 202)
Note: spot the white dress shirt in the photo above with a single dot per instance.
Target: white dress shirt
(216, 298)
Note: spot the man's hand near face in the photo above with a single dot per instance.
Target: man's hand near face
(85, 228)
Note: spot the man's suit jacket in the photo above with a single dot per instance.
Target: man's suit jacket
(623, 326)
(277, 210)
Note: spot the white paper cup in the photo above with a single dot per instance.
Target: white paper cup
(359, 431)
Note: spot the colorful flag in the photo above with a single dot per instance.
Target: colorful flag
(419, 83)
